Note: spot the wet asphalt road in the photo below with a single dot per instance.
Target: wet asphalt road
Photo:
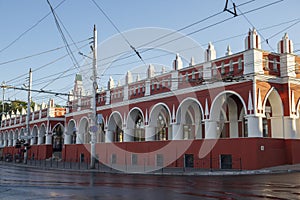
(31, 183)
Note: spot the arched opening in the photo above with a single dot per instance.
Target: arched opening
(83, 136)
(57, 138)
(10, 138)
(34, 135)
(22, 133)
(135, 123)
(1, 139)
(189, 119)
(72, 132)
(16, 133)
(42, 135)
(6, 139)
(228, 117)
(115, 132)
(160, 121)
(273, 115)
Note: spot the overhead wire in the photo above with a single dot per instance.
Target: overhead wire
(246, 12)
(247, 19)
(29, 29)
(68, 49)
(196, 31)
(118, 30)
(38, 54)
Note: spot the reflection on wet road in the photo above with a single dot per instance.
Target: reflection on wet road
(29, 183)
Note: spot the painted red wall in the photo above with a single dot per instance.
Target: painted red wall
(247, 153)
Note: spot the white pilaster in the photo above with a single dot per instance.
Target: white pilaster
(49, 139)
(40, 140)
(109, 136)
(255, 128)
(290, 128)
(253, 61)
(67, 139)
(128, 135)
(150, 133)
(177, 132)
(211, 131)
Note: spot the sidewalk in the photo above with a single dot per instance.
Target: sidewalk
(165, 171)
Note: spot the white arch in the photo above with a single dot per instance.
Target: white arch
(135, 108)
(80, 139)
(193, 100)
(213, 105)
(111, 115)
(275, 101)
(71, 121)
(277, 124)
(154, 108)
(42, 134)
(70, 129)
(34, 134)
(58, 124)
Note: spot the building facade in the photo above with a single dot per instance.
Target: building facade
(239, 111)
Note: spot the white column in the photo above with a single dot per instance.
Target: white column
(14, 142)
(109, 136)
(32, 141)
(234, 129)
(290, 128)
(150, 133)
(9, 141)
(67, 139)
(177, 132)
(40, 139)
(255, 128)
(198, 131)
(277, 129)
(49, 139)
(211, 131)
(5, 143)
(79, 138)
(128, 135)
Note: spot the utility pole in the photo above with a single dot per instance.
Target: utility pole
(3, 96)
(28, 115)
(93, 128)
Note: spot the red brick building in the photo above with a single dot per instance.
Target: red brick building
(237, 111)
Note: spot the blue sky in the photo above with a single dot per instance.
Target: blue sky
(79, 16)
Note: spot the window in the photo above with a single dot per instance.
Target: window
(231, 66)
(266, 63)
(159, 160)
(152, 86)
(275, 66)
(186, 77)
(240, 64)
(222, 68)
(214, 70)
(200, 73)
(134, 159)
(193, 75)
(180, 78)
(139, 89)
(113, 159)
(226, 161)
